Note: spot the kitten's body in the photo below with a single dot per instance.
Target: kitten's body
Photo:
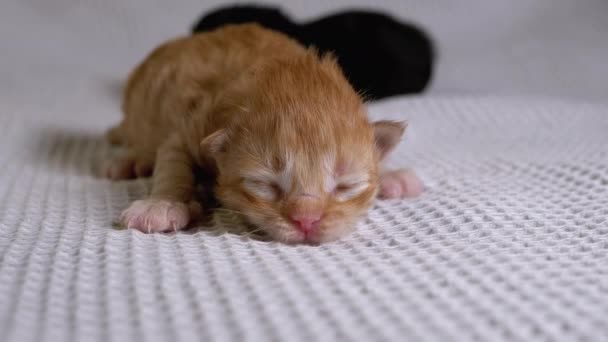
(185, 80)
(283, 131)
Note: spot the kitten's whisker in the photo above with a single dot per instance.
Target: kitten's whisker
(255, 231)
(229, 211)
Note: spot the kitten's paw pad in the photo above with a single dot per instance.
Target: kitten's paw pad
(154, 216)
(400, 184)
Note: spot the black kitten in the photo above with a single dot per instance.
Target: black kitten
(380, 56)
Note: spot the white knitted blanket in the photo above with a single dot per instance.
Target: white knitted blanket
(508, 243)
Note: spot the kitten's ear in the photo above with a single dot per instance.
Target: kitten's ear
(214, 143)
(387, 135)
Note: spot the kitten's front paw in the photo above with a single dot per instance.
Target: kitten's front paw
(400, 184)
(154, 216)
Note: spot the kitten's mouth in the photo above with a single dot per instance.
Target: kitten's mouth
(285, 233)
(309, 238)
(292, 236)
(305, 240)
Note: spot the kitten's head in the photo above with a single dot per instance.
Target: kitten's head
(300, 160)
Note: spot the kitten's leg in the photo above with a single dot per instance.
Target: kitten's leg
(127, 165)
(114, 135)
(167, 208)
(399, 183)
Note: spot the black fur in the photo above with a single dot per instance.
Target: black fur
(380, 56)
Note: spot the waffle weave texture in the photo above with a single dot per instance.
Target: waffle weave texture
(508, 243)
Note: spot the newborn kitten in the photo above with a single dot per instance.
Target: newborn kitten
(281, 130)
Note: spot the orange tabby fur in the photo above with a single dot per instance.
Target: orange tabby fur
(281, 128)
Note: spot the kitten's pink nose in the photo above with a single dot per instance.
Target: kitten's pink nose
(306, 222)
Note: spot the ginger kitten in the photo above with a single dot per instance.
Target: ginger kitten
(281, 130)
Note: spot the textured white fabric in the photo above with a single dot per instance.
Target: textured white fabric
(508, 243)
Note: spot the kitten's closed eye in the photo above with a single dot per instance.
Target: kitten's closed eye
(262, 189)
(346, 191)
(343, 188)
